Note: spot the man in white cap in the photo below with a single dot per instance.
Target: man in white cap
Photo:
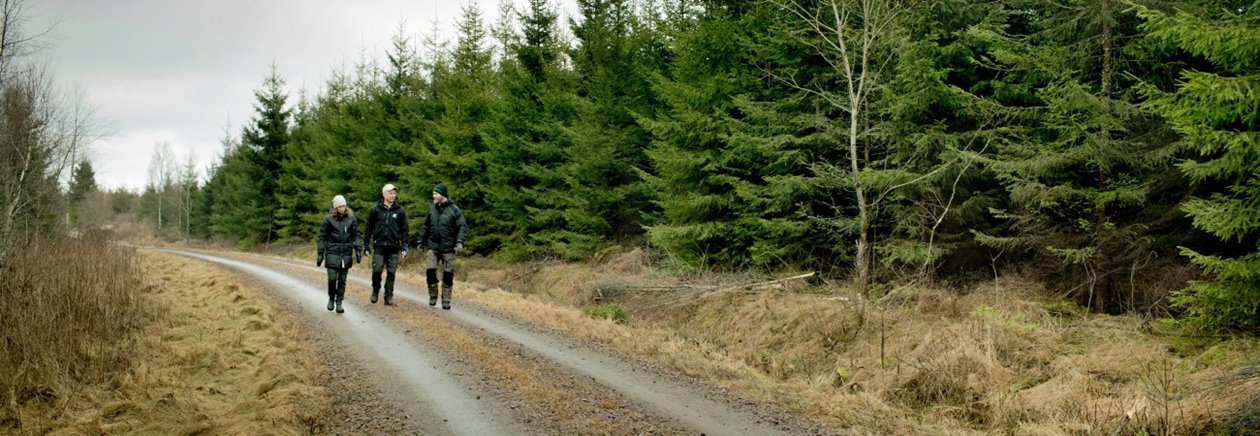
(386, 239)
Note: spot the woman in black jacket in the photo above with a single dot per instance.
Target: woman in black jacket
(338, 241)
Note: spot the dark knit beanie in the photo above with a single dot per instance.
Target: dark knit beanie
(441, 189)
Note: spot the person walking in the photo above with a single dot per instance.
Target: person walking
(386, 240)
(442, 235)
(338, 241)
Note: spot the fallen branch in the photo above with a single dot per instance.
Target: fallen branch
(685, 298)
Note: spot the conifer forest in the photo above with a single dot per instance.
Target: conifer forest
(1109, 148)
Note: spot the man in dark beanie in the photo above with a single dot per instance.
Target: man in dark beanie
(386, 239)
(442, 236)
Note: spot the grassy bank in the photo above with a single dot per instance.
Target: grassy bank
(110, 341)
(70, 310)
(1003, 356)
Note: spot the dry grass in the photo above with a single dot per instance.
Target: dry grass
(1003, 357)
(69, 310)
(217, 357)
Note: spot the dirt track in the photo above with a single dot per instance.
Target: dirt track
(412, 368)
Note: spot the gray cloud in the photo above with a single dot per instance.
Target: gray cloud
(183, 71)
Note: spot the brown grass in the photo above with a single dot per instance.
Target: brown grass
(68, 312)
(215, 357)
(1005, 356)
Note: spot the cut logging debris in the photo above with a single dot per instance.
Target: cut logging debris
(689, 293)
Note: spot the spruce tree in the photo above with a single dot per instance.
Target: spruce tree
(729, 196)
(454, 124)
(263, 145)
(603, 198)
(1214, 109)
(1076, 157)
(82, 181)
(525, 144)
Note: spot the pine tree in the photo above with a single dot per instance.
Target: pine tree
(729, 195)
(263, 143)
(1215, 111)
(603, 196)
(241, 194)
(1078, 158)
(526, 140)
(940, 136)
(82, 182)
(333, 150)
(452, 145)
(239, 214)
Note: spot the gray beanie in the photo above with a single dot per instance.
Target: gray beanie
(339, 201)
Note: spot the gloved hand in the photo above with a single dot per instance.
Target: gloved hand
(459, 248)
(367, 249)
(358, 256)
(319, 259)
(404, 252)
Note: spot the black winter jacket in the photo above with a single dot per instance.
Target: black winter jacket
(339, 240)
(386, 227)
(443, 228)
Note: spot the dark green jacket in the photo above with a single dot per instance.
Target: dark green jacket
(443, 228)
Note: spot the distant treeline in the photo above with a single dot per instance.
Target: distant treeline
(1110, 148)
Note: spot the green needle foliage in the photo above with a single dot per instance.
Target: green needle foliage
(1214, 109)
(1080, 141)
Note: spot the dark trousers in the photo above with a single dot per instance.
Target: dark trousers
(385, 258)
(337, 283)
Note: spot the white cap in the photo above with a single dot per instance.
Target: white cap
(339, 201)
(388, 187)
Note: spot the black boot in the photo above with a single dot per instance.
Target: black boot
(448, 281)
(332, 293)
(341, 295)
(376, 287)
(389, 288)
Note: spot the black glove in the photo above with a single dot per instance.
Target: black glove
(319, 259)
(459, 248)
(358, 256)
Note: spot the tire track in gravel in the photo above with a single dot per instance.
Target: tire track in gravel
(419, 388)
(618, 390)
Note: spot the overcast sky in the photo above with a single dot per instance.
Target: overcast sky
(183, 71)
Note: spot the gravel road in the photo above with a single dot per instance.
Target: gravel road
(413, 369)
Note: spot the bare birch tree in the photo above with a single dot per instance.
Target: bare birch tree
(187, 185)
(41, 130)
(161, 175)
(847, 35)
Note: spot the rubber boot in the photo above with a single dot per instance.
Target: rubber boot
(432, 279)
(448, 281)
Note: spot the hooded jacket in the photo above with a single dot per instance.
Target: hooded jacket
(443, 228)
(339, 240)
